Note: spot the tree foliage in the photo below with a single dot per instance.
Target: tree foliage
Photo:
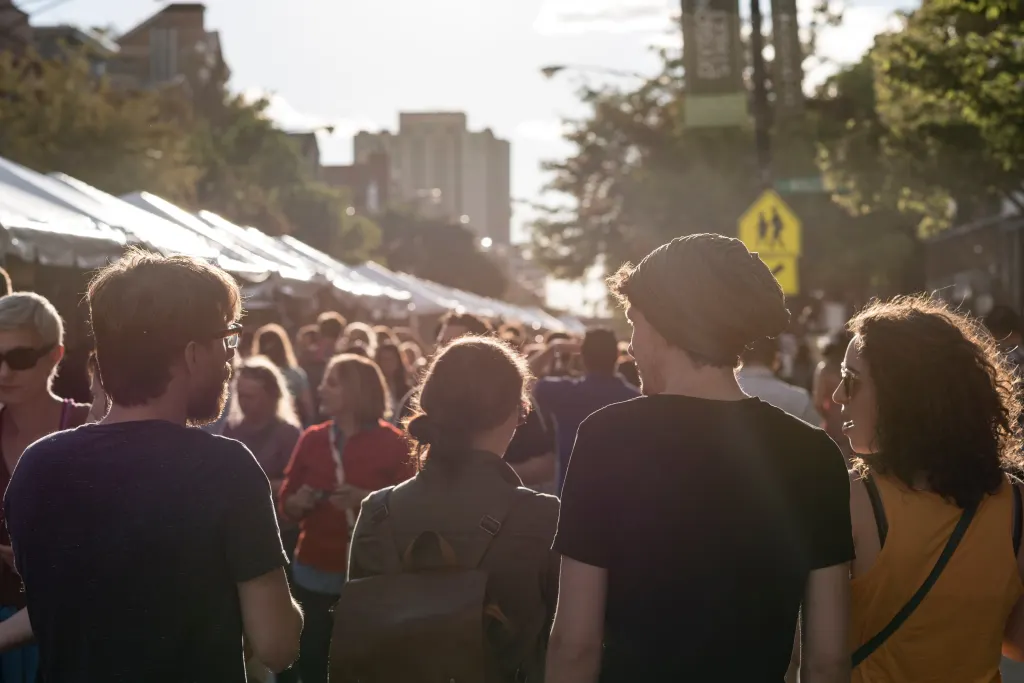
(196, 145)
(439, 251)
(945, 127)
(637, 177)
(56, 116)
(931, 119)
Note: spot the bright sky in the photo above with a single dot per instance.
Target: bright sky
(355, 64)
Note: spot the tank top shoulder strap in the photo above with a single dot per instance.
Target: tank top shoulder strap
(1018, 513)
(877, 507)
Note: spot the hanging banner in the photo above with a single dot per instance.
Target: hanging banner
(713, 58)
(788, 63)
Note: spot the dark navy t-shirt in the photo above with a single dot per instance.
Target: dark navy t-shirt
(571, 400)
(131, 539)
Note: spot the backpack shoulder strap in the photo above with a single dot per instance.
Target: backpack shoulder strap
(881, 522)
(489, 526)
(1018, 512)
(865, 650)
(380, 516)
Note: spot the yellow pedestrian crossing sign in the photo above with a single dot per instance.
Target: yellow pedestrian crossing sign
(770, 227)
(786, 271)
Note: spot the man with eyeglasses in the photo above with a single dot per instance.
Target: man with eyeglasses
(150, 550)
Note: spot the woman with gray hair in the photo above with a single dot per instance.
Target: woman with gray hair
(31, 348)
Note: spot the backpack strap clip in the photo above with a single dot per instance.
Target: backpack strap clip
(490, 525)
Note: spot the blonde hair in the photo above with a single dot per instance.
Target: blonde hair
(30, 311)
(263, 370)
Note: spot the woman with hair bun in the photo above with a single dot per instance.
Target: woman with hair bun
(696, 520)
(473, 397)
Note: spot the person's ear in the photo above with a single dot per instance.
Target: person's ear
(192, 352)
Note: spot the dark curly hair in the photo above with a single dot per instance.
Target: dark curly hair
(946, 398)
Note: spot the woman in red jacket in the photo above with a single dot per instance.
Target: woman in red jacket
(335, 465)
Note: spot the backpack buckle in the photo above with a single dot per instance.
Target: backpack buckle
(490, 525)
(381, 513)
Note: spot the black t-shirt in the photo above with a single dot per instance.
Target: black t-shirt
(131, 539)
(535, 438)
(708, 516)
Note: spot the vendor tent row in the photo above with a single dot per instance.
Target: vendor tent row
(58, 220)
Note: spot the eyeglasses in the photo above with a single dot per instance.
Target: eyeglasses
(849, 380)
(231, 336)
(24, 357)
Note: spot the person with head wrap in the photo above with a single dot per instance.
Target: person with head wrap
(696, 517)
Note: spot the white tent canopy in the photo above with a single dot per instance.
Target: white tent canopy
(344, 277)
(243, 261)
(39, 229)
(422, 300)
(105, 213)
(286, 265)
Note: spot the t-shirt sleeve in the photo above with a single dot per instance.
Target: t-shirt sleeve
(829, 532)
(583, 522)
(547, 393)
(252, 540)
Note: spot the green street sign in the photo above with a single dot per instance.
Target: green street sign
(809, 185)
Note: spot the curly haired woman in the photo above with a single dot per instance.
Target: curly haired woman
(929, 407)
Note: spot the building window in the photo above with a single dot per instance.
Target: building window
(163, 54)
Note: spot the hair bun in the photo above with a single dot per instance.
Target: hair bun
(422, 429)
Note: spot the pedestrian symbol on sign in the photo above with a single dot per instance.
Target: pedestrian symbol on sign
(770, 227)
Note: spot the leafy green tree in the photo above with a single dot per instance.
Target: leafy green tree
(940, 121)
(439, 251)
(56, 116)
(195, 144)
(638, 177)
(320, 214)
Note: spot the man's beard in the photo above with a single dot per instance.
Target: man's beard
(207, 405)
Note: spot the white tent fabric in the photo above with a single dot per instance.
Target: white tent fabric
(286, 265)
(422, 300)
(70, 244)
(37, 229)
(149, 229)
(243, 262)
(344, 277)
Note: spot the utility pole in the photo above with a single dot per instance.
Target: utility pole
(708, 60)
(762, 135)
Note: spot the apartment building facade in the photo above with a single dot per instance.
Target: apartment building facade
(172, 47)
(438, 165)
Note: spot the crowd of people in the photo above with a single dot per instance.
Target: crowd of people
(354, 503)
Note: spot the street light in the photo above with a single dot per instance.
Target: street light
(553, 70)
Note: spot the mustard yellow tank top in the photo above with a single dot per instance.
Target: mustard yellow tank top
(956, 633)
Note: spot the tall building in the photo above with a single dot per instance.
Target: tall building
(441, 166)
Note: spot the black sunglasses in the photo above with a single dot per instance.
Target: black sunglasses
(231, 336)
(849, 381)
(24, 357)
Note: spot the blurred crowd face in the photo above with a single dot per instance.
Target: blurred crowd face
(450, 333)
(309, 347)
(210, 365)
(255, 402)
(856, 396)
(27, 366)
(648, 349)
(389, 360)
(335, 399)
